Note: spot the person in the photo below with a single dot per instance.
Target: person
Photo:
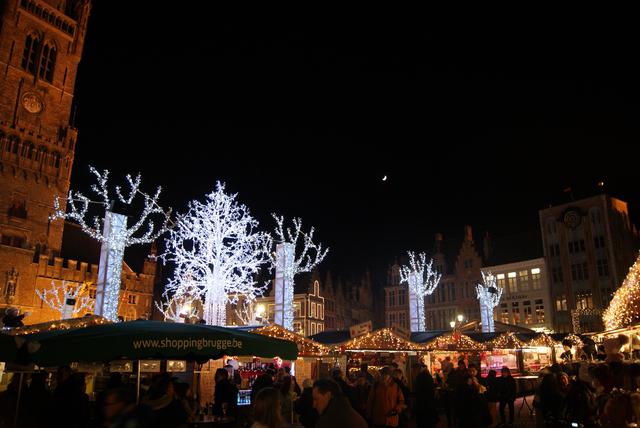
(405, 414)
(447, 366)
(225, 395)
(362, 390)
(424, 391)
(507, 394)
(304, 405)
(566, 356)
(36, 397)
(492, 395)
(385, 401)
(364, 372)
(333, 407)
(13, 318)
(266, 409)
(167, 410)
(119, 409)
(264, 380)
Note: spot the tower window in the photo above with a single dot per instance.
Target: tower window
(47, 63)
(31, 47)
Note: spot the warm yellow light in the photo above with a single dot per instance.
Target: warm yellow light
(460, 318)
(535, 270)
(500, 276)
(260, 310)
(511, 275)
(452, 324)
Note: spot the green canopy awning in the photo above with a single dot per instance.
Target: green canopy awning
(136, 340)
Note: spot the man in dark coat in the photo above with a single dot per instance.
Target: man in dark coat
(333, 407)
(425, 404)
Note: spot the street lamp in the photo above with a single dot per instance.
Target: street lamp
(460, 318)
(452, 324)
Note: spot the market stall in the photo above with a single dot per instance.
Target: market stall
(454, 345)
(538, 353)
(503, 353)
(377, 349)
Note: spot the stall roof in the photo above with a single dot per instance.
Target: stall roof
(383, 339)
(331, 337)
(306, 347)
(453, 341)
(425, 336)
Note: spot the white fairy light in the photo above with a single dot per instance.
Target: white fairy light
(112, 232)
(217, 245)
(288, 266)
(422, 280)
(66, 299)
(489, 295)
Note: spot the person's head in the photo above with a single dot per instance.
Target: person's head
(563, 379)
(115, 401)
(287, 370)
(491, 374)
(473, 370)
(221, 374)
(323, 391)
(364, 367)
(307, 383)
(602, 378)
(385, 374)
(286, 385)
(397, 374)
(13, 312)
(461, 365)
(506, 371)
(336, 373)
(266, 408)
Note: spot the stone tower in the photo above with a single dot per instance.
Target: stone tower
(40, 48)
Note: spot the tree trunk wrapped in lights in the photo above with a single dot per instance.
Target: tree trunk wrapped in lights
(489, 295)
(422, 280)
(288, 265)
(112, 232)
(217, 246)
(624, 308)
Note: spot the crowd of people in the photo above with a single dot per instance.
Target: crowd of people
(579, 394)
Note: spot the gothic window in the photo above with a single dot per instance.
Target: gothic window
(47, 62)
(18, 209)
(31, 47)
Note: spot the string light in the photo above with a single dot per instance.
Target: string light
(422, 280)
(380, 340)
(112, 232)
(217, 246)
(70, 304)
(542, 340)
(575, 340)
(507, 340)
(624, 308)
(306, 347)
(454, 340)
(65, 324)
(489, 295)
(288, 266)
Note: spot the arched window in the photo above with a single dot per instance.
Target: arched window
(47, 62)
(31, 47)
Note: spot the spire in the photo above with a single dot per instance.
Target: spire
(468, 233)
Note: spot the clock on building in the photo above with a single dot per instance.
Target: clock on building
(572, 218)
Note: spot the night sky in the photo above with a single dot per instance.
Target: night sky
(480, 125)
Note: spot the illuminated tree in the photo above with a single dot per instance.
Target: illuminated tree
(112, 232)
(288, 265)
(624, 308)
(489, 295)
(216, 243)
(67, 299)
(422, 280)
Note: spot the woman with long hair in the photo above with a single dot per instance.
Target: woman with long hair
(266, 409)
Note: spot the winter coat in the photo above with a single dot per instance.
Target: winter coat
(339, 413)
(384, 400)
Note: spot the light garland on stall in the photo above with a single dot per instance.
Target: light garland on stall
(489, 295)
(575, 340)
(379, 340)
(290, 265)
(422, 280)
(542, 340)
(116, 237)
(459, 341)
(624, 308)
(507, 340)
(306, 347)
(66, 324)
